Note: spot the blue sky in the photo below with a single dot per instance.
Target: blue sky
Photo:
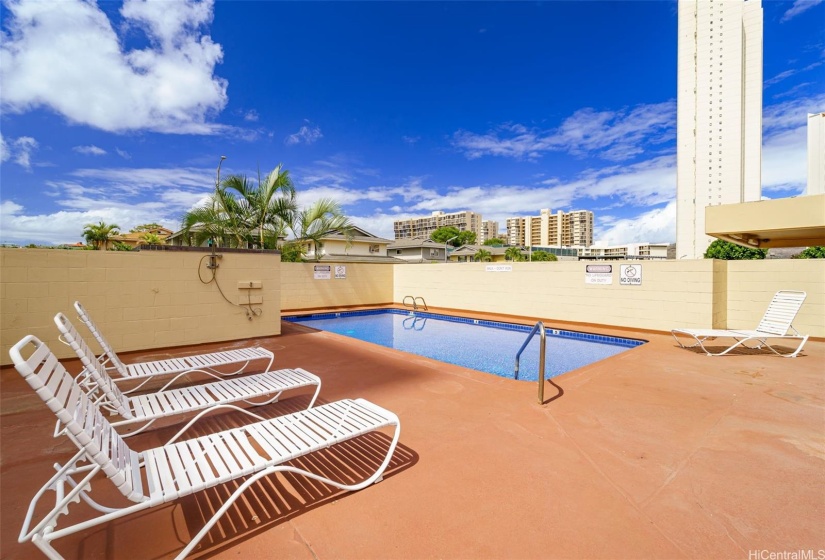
(120, 111)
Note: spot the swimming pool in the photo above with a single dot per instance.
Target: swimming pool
(487, 346)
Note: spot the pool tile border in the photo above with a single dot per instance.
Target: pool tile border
(612, 340)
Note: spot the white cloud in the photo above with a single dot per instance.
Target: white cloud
(123, 153)
(306, 135)
(19, 150)
(785, 161)
(89, 150)
(251, 116)
(411, 140)
(124, 196)
(793, 71)
(67, 57)
(785, 144)
(652, 226)
(790, 114)
(5, 153)
(611, 135)
(66, 226)
(633, 187)
(798, 7)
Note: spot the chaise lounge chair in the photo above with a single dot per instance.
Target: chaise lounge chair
(205, 363)
(166, 473)
(150, 407)
(775, 324)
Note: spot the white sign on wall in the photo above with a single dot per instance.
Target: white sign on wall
(598, 274)
(630, 275)
(323, 272)
(340, 272)
(499, 268)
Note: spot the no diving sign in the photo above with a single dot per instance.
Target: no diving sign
(630, 275)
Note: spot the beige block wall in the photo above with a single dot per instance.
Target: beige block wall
(673, 293)
(140, 300)
(365, 284)
(752, 284)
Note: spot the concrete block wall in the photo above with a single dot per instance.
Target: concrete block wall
(364, 284)
(672, 293)
(155, 299)
(752, 284)
(140, 300)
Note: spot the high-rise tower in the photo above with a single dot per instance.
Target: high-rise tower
(816, 154)
(719, 113)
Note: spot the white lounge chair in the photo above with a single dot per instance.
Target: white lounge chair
(163, 403)
(206, 363)
(775, 324)
(166, 473)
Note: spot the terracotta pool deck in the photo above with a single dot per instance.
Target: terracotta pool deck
(658, 452)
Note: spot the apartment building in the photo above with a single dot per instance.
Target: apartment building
(423, 227)
(489, 230)
(719, 113)
(552, 230)
(642, 251)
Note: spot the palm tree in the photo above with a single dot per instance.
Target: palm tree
(514, 254)
(218, 219)
(150, 239)
(483, 255)
(98, 234)
(269, 209)
(240, 214)
(317, 221)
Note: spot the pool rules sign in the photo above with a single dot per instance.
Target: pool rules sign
(630, 275)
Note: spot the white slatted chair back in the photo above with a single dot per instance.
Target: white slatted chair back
(781, 312)
(92, 366)
(107, 348)
(84, 423)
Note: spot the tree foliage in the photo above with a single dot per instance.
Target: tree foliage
(726, 251)
(118, 246)
(817, 252)
(466, 237)
(458, 238)
(514, 254)
(543, 256)
(312, 224)
(483, 255)
(292, 252)
(241, 214)
(150, 239)
(145, 227)
(494, 241)
(97, 235)
(443, 234)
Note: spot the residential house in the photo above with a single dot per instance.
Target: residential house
(135, 238)
(360, 246)
(417, 250)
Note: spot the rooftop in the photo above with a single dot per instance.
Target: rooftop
(658, 452)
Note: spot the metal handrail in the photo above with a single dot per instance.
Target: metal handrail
(414, 302)
(542, 344)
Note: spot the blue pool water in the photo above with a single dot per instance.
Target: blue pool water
(482, 345)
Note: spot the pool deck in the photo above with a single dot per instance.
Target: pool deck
(658, 452)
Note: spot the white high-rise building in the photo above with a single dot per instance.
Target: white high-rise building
(719, 113)
(816, 153)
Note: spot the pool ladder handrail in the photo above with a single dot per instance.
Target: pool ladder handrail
(542, 345)
(414, 302)
(415, 320)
